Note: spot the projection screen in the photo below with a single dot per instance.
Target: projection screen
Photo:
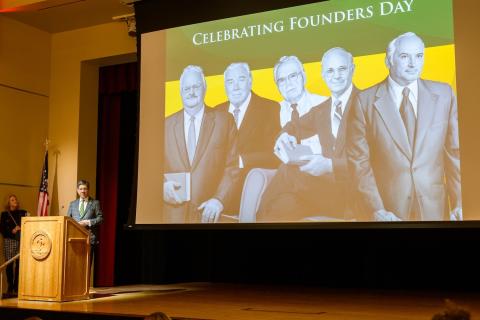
(339, 111)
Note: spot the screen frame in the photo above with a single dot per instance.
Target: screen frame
(198, 16)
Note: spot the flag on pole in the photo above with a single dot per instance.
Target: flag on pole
(42, 209)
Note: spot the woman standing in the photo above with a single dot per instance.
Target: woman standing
(10, 228)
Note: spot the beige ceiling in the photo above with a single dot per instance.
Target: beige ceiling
(63, 15)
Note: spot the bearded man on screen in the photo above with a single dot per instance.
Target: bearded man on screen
(402, 142)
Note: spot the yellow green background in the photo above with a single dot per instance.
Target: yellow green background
(369, 70)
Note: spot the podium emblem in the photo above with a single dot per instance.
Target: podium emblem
(41, 245)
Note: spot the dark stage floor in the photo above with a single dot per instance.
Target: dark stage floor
(242, 302)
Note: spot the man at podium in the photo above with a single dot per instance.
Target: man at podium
(86, 211)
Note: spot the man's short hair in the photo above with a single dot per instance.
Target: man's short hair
(392, 46)
(332, 50)
(83, 183)
(233, 65)
(286, 59)
(192, 68)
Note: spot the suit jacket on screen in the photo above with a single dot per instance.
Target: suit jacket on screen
(387, 171)
(258, 132)
(214, 171)
(256, 139)
(318, 121)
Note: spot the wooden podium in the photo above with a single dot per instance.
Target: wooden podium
(54, 259)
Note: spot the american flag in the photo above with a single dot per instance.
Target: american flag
(42, 209)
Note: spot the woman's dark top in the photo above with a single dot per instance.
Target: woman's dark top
(7, 224)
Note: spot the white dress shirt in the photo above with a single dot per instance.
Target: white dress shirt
(396, 92)
(85, 202)
(198, 123)
(84, 205)
(243, 109)
(344, 99)
(306, 102)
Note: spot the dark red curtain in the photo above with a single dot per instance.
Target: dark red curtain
(118, 87)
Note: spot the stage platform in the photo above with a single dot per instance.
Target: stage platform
(203, 301)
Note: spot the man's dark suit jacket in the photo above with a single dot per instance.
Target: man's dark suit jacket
(214, 171)
(318, 121)
(256, 138)
(93, 213)
(258, 132)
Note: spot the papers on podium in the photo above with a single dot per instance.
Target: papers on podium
(183, 179)
(293, 154)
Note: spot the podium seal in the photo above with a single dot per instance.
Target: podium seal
(41, 245)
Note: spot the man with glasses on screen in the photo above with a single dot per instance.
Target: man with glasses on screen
(258, 123)
(200, 145)
(318, 188)
(291, 79)
(402, 142)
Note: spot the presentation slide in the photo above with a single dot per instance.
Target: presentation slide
(338, 111)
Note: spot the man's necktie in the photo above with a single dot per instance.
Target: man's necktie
(337, 117)
(295, 118)
(82, 208)
(236, 115)
(295, 114)
(338, 110)
(191, 142)
(408, 116)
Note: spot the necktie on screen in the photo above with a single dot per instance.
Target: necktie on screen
(236, 115)
(295, 119)
(338, 110)
(191, 142)
(295, 114)
(82, 208)
(337, 117)
(408, 116)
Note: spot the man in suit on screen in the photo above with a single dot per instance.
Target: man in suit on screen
(86, 210)
(402, 142)
(201, 141)
(319, 186)
(258, 123)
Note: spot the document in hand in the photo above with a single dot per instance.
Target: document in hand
(314, 143)
(183, 179)
(293, 154)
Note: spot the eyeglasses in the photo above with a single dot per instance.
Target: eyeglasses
(195, 87)
(291, 77)
(340, 71)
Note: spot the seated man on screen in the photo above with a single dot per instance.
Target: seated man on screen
(402, 142)
(291, 79)
(318, 186)
(86, 211)
(258, 123)
(200, 142)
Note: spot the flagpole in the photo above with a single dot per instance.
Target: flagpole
(46, 143)
(43, 201)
